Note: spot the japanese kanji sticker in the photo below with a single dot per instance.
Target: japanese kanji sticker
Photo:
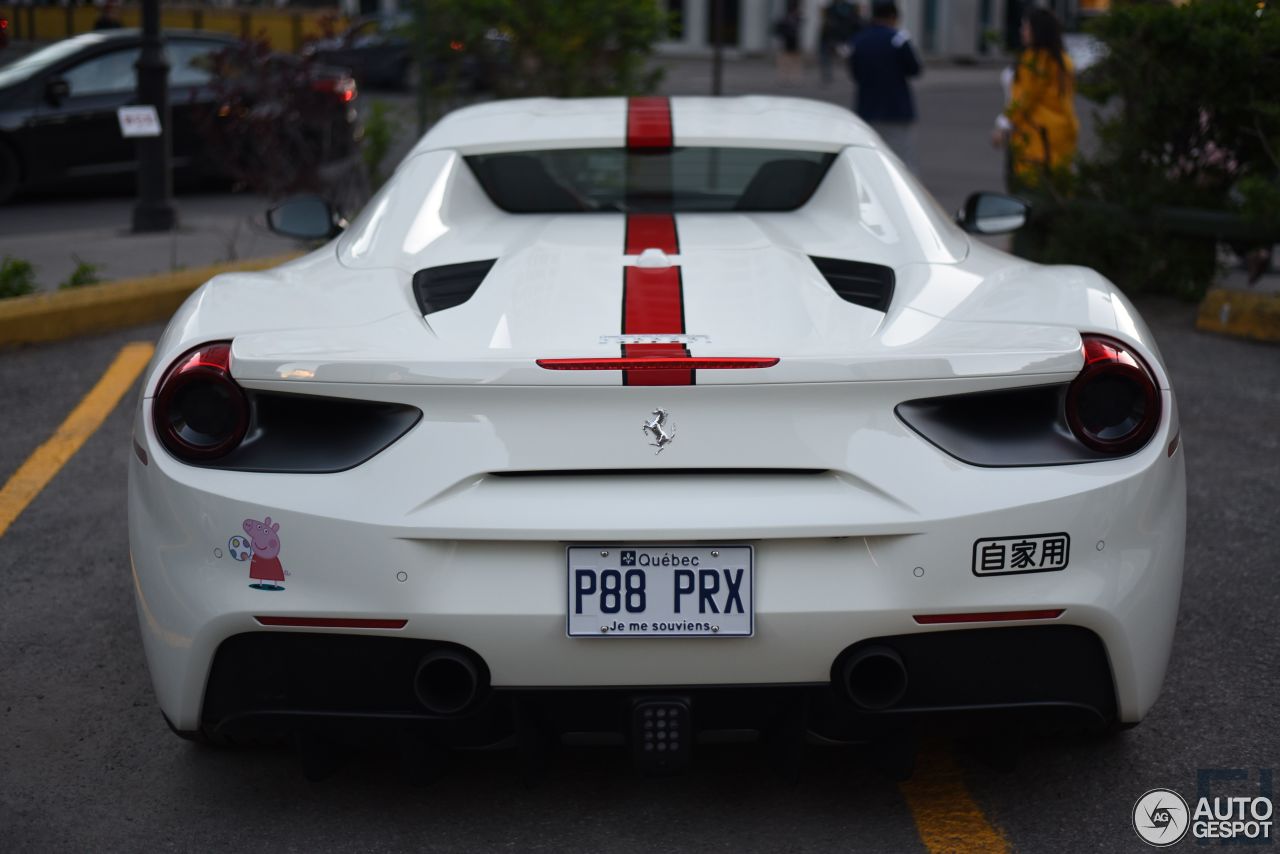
(1016, 555)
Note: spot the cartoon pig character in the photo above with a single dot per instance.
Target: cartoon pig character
(265, 568)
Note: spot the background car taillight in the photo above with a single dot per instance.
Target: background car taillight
(344, 87)
(199, 412)
(1113, 405)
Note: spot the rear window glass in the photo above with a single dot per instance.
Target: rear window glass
(671, 180)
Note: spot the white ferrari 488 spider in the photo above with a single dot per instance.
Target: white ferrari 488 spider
(654, 418)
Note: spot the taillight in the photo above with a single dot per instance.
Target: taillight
(342, 87)
(1113, 405)
(199, 412)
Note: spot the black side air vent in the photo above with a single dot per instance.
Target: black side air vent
(438, 288)
(869, 285)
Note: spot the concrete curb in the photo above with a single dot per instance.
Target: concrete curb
(1243, 314)
(110, 305)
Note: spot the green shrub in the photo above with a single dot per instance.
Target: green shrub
(380, 129)
(84, 274)
(17, 277)
(1192, 121)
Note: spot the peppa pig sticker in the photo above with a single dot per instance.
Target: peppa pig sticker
(264, 554)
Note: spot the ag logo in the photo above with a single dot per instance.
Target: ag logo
(661, 429)
(1160, 817)
(628, 558)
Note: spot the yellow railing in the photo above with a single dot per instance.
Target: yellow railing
(284, 29)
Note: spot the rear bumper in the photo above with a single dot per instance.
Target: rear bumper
(264, 685)
(478, 560)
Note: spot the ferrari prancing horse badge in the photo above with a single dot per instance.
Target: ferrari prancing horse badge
(661, 429)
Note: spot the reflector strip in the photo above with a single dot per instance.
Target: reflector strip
(332, 622)
(648, 123)
(988, 616)
(658, 363)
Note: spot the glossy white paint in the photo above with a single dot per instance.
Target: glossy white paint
(484, 554)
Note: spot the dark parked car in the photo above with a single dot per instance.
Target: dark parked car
(378, 51)
(58, 106)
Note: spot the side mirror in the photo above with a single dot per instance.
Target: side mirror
(305, 218)
(56, 91)
(992, 213)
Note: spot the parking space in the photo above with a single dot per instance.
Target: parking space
(87, 757)
(86, 762)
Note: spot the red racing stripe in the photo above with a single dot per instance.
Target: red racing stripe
(648, 123)
(651, 231)
(653, 300)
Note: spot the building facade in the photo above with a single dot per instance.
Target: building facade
(944, 28)
(958, 28)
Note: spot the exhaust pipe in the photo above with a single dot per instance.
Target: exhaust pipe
(874, 678)
(446, 682)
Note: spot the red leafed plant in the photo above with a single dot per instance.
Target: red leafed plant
(277, 121)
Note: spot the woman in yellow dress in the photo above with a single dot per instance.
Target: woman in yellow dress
(1039, 123)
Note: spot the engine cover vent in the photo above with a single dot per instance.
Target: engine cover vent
(869, 285)
(438, 288)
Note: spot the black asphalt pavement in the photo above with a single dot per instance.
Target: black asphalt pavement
(87, 764)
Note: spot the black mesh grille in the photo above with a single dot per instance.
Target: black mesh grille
(869, 285)
(438, 288)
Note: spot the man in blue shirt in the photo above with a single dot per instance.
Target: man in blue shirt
(881, 62)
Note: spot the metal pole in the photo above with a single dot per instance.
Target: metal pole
(717, 50)
(153, 212)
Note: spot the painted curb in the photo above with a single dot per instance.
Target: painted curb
(110, 305)
(1243, 314)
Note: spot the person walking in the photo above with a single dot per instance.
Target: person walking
(882, 62)
(841, 21)
(1039, 123)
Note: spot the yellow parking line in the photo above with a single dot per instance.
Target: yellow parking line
(87, 417)
(947, 818)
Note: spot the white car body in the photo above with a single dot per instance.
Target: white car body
(858, 525)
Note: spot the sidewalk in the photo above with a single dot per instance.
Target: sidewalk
(54, 234)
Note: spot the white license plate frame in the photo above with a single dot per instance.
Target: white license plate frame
(732, 587)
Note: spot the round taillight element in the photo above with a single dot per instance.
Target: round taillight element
(199, 412)
(1113, 405)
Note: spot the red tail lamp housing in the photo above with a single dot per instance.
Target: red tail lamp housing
(200, 412)
(1113, 405)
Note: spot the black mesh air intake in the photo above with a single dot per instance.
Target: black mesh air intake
(869, 285)
(438, 288)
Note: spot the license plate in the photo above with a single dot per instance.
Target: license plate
(660, 591)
